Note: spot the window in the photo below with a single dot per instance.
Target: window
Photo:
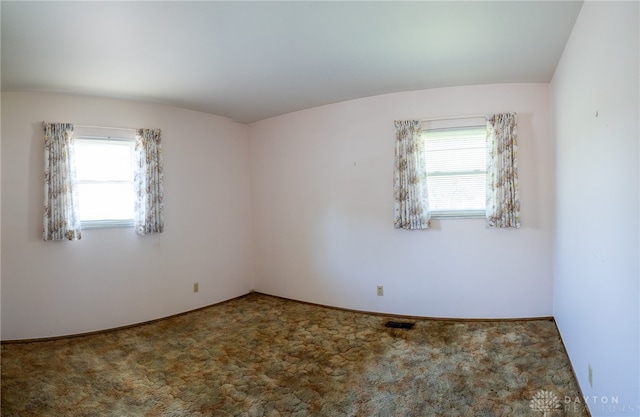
(456, 171)
(104, 170)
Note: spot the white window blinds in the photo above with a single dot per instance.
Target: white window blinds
(456, 171)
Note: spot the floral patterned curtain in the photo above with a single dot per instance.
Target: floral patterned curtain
(149, 200)
(61, 218)
(503, 200)
(411, 203)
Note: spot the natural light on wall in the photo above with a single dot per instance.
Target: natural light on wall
(104, 169)
(456, 171)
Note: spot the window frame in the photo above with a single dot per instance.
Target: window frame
(108, 223)
(452, 213)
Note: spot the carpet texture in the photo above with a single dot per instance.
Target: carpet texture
(264, 356)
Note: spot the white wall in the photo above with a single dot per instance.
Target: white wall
(323, 208)
(112, 277)
(596, 272)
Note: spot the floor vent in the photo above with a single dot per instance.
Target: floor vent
(399, 325)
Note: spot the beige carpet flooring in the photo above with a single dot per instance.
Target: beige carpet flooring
(264, 356)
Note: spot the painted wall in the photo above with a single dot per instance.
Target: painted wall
(323, 208)
(596, 251)
(112, 277)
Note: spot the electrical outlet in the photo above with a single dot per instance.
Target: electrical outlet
(380, 291)
(590, 376)
(196, 286)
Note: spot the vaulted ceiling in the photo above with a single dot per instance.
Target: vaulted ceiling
(254, 60)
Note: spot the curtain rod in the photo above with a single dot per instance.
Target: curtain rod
(470, 116)
(107, 127)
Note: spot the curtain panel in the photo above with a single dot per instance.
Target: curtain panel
(411, 203)
(148, 177)
(503, 200)
(61, 217)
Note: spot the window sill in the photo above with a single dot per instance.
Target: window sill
(106, 224)
(456, 215)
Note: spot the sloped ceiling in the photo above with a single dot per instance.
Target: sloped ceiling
(253, 60)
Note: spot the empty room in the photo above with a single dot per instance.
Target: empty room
(332, 208)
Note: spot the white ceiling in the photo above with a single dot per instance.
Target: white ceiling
(254, 60)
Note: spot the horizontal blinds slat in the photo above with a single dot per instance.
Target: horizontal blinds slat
(456, 160)
(460, 192)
